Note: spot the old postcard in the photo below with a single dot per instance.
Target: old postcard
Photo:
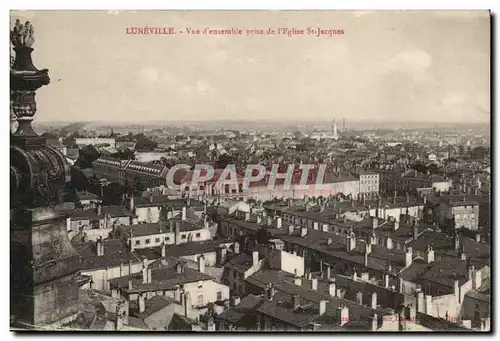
(222, 171)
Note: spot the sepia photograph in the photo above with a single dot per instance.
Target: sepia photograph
(250, 171)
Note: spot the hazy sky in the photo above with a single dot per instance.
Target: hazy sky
(405, 66)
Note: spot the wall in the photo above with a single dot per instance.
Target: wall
(101, 277)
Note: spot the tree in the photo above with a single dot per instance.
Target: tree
(419, 167)
(87, 155)
(124, 155)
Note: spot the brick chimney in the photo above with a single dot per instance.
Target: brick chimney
(396, 225)
(388, 243)
(351, 242)
(374, 222)
(303, 231)
(255, 259)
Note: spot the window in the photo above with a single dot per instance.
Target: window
(183, 236)
(198, 235)
(137, 242)
(200, 299)
(157, 240)
(167, 239)
(219, 295)
(148, 241)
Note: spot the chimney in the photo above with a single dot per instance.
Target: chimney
(428, 304)
(456, 242)
(221, 254)
(389, 243)
(351, 242)
(477, 280)
(100, 247)
(367, 252)
(279, 223)
(297, 280)
(324, 228)
(359, 298)
(329, 241)
(316, 225)
(99, 210)
(354, 275)
(395, 195)
(130, 283)
(342, 315)
(314, 284)
(131, 204)
(187, 304)
(375, 222)
(150, 197)
(145, 275)
(332, 287)
(478, 237)
(122, 270)
(177, 233)
(235, 300)
(328, 272)
(85, 237)
(374, 320)
(415, 231)
(386, 280)
(429, 254)
(462, 254)
(236, 248)
(407, 197)
(471, 275)
(201, 264)
(291, 229)
(425, 199)
(408, 256)
(259, 218)
(150, 277)
(456, 288)
(296, 302)
(271, 292)
(255, 259)
(303, 231)
(163, 250)
(322, 307)
(374, 300)
(396, 225)
(68, 224)
(141, 303)
(184, 212)
(420, 302)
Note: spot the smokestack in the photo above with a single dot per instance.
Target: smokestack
(332, 287)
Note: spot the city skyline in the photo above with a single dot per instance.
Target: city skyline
(403, 68)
